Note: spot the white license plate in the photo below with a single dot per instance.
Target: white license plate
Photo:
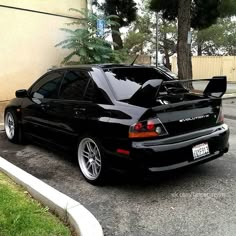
(200, 150)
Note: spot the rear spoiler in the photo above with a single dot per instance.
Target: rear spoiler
(216, 87)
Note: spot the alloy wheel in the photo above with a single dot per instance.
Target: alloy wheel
(89, 158)
(9, 125)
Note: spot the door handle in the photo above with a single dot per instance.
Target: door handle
(79, 111)
(45, 106)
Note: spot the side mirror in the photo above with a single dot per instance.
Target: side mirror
(22, 93)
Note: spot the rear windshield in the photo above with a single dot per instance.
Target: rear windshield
(126, 81)
(168, 72)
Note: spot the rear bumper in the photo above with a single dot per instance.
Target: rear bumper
(174, 152)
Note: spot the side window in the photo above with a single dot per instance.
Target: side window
(89, 95)
(161, 76)
(48, 86)
(74, 85)
(95, 94)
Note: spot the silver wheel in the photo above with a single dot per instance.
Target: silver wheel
(9, 125)
(89, 158)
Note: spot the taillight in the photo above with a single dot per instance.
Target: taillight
(147, 129)
(150, 125)
(220, 119)
(138, 126)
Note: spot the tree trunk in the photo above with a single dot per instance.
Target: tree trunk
(199, 45)
(116, 37)
(183, 48)
(165, 46)
(167, 58)
(199, 49)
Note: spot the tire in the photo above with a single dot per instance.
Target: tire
(12, 128)
(91, 160)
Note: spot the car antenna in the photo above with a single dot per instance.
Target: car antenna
(134, 60)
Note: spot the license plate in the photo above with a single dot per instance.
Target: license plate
(200, 150)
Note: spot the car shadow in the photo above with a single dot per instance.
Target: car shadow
(136, 179)
(131, 179)
(118, 178)
(174, 177)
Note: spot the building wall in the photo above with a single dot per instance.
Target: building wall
(209, 66)
(28, 39)
(143, 60)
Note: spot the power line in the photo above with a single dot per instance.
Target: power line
(40, 12)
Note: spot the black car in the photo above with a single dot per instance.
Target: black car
(121, 116)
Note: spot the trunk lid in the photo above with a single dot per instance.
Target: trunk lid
(180, 110)
(189, 114)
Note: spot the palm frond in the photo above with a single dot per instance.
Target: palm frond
(84, 42)
(67, 58)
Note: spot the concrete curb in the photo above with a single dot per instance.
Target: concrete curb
(82, 221)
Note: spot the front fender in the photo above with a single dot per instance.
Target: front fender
(15, 104)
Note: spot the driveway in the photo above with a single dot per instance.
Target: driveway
(197, 201)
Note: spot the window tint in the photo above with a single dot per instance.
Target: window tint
(168, 72)
(89, 95)
(74, 85)
(126, 81)
(48, 86)
(94, 94)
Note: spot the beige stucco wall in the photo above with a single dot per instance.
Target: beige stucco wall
(27, 41)
(209, 66)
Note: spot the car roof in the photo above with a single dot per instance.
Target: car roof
(102, 66)
(111, 65)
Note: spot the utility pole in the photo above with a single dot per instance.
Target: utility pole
(89, 5)
(157, 39)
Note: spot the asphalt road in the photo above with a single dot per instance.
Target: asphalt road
(195, 201)
(229, 108)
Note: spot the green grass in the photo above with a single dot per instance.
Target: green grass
(21, 215)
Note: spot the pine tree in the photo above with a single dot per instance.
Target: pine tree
(126, 12)
(198, 14)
